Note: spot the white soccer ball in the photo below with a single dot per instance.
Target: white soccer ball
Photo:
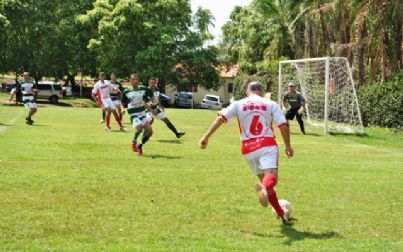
(286, 206)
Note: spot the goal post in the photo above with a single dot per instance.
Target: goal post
(328, 87)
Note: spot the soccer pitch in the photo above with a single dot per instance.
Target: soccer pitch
(67, 185)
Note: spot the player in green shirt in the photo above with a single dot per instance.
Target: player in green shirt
(137, 98)
(157, 108)
(28, 96)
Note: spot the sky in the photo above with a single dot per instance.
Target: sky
(221, 10)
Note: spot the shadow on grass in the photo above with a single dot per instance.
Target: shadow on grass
(307, 134)
(170, 141)
(159, 156)
(294, 235)
(5, 124)
(361, 135)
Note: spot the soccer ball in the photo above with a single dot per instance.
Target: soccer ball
(286, 206)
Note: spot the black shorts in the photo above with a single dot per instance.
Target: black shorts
(291, 113)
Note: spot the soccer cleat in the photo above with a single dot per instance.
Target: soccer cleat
(102, 121)
(133, 145)
(180, 134)
(262, 194)
(122, 129)
(28, 122)
(284, 218)
(140, 149)
(108, 129)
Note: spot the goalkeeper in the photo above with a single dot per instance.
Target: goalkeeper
(297, 105)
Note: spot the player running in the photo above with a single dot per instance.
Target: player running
(137, 98)
(158, 108)
(116, 95)
(105, 87)
(259, 148)
(28, 97)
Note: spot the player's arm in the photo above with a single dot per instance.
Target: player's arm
(214, 126)
(160, 103)
(285, 133)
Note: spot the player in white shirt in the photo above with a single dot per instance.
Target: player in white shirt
(255, 115)
(105, 87)
(28, 96)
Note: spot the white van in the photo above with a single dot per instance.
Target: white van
(211, 102)
(50, 90)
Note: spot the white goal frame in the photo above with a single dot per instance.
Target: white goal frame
(326, 60)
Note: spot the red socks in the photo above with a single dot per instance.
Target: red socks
(269, 181)
(118, 120)
(108, 121)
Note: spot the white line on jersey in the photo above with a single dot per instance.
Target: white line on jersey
(12, 121)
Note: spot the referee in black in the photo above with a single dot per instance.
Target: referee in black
(297, 104)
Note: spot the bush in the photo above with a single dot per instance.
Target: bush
(382, 103)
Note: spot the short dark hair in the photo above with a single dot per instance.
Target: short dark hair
(255, 86)
(102, 73)
(152, 79)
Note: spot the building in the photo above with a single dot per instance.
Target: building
(226, 90)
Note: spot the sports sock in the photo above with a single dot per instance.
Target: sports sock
(103, 114)
(172, 128)
(108, 121)
(120, 117)
(118, 120)
(136, 135)
(269, 181)
(145, 138)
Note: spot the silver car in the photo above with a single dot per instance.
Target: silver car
(50, 90)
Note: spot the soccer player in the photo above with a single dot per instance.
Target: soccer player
(137, 98)
(297, 105)
(259, 148)
(28, 97)
(116, 95)
(157, 107)
(104, 87)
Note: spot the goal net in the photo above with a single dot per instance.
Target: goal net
(328, 87)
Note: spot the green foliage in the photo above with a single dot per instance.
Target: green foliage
(382, 103)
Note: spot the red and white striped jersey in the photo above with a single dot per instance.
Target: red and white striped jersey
(104, 89)
(255, 116)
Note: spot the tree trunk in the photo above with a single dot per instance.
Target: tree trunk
(325, 36)
(361, 52)
(384, 57)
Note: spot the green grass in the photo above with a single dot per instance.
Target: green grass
(67, 185)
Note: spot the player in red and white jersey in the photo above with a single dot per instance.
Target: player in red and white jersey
(255, 115)
(102, 89)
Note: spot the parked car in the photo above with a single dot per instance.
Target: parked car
(184, 99)
(50, 90)
(165, 100)
(211, 102)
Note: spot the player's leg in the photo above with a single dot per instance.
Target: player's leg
(290, 116)
(108, 118)
(168, 123)
(32, 110)
(268, 162)
(150, 117)
(103, 115)
(148, 132)
(137, 125)
(300, 122)
(117, 118)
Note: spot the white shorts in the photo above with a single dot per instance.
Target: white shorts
(117, 103)
(30, 105)
(262, 159)
(159, 116)
(141, 119)
(108, 103)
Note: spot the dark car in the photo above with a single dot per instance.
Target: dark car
(10, 86)
(184, 99)
(165, 100)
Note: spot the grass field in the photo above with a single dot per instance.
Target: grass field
(67, 185)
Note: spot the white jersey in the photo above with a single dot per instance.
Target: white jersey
(255, 116)
(104, 89)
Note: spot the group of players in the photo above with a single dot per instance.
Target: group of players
(255, 115)
(143, 105)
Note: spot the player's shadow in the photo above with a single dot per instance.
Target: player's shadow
(6, 125)
(294, 235)
(307, 134)
(170, 141)
(159, 156)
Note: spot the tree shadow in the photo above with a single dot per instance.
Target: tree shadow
(170, 141)
(357, 134)
(294, 235)
(159, 156)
